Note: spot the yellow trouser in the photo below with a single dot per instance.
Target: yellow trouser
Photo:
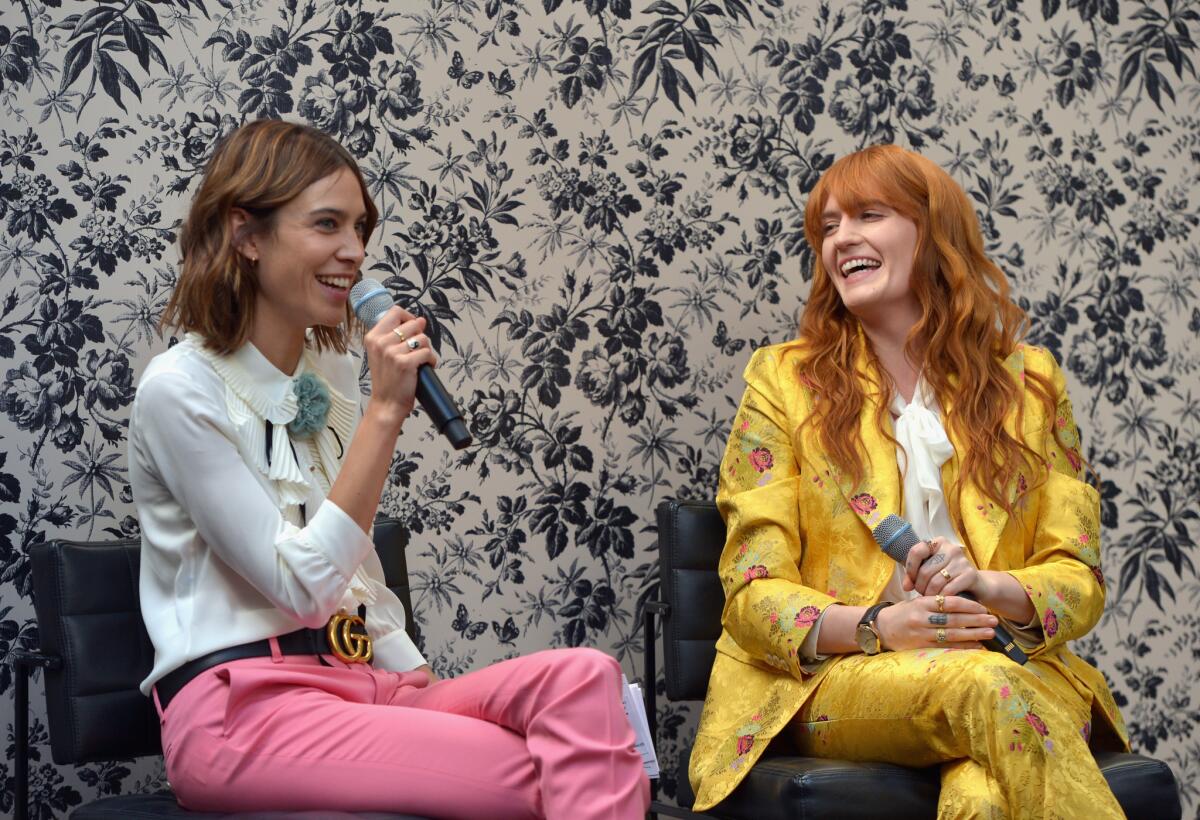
(1012, 740)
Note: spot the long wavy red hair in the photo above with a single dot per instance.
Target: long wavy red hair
(968, 326)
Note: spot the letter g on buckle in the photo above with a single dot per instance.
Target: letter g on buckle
(348, 638)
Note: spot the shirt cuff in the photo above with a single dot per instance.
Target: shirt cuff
(809, 657)
(396, 652)
(1028, 636)
(336, 536)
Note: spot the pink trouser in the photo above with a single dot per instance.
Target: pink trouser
(539, 736)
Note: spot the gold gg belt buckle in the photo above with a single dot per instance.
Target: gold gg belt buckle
(348, 638)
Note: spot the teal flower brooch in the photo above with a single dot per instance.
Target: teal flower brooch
(312, 406)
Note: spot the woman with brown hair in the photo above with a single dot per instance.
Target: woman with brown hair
(283, 675)
(909, 392)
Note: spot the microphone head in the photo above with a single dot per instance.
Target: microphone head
(895, 537)
(369, 300)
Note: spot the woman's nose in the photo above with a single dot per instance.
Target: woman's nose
(352, 248)
(845, 235)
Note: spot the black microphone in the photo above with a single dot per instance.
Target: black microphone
(895, 537)
(370, 300)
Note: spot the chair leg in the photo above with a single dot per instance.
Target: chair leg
(21, 671)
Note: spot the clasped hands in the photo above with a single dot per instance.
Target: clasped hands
(939, 569)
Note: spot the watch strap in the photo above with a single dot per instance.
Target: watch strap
(867, 623)
(868, 618)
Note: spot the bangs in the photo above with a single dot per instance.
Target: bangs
(875, 175)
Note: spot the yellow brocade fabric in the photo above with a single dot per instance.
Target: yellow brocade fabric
(799, 540)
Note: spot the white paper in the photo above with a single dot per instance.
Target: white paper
(635, 711)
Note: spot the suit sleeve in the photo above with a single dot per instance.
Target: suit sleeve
(1062, 574)
(768, 609)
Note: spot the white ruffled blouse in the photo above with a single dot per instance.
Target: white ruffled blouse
(238, 546)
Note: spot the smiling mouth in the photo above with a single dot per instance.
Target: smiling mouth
(336, 282)
(857, 265)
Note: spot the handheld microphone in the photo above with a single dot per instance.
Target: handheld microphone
(895, 537)
(370, 300)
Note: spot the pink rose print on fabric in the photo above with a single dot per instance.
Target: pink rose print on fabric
(807, 616)
(756, 571)
(744, 744)
(761, 459)
(1050, 623)
(1037, 723)
(863, 503)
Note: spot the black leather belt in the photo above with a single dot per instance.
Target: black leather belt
(300, 642)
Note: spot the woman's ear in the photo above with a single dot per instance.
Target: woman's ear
(244, 239)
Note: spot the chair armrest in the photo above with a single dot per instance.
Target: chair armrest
(26, 660)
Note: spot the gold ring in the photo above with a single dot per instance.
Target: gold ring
(944, 573)
(399, 333)
(941, 602)
(941, 635)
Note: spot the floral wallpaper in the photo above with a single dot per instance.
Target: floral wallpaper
(598, 203)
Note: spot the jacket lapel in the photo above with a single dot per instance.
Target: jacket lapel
(879, 493)
(983, 521)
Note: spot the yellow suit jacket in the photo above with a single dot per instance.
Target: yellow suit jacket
(799, 539)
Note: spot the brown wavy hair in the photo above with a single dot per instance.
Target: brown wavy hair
(259, 168)
(968, 326)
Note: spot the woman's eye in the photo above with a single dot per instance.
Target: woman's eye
(830, 227)
(326, 223)
(360, 228)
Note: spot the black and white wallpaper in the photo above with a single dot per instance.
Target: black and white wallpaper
(598, 203)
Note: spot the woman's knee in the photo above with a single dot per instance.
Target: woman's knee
(980, 670)
(579, 668)
(589, 663)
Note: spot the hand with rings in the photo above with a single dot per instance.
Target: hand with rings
(413, 344)
(395, 348)
(935, 620)
(938, 566)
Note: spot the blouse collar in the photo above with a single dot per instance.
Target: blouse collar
(263, 386)
(257, 391)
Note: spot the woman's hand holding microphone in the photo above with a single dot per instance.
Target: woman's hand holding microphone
(940, 571)
(395, 348)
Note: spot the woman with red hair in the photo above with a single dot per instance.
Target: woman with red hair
(909, 392)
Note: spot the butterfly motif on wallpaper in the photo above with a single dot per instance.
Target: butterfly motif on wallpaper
(967, 74)
(725, 344)
(464, 626)
(502, 83)
(458, 72)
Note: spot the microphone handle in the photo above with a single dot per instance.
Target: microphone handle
(1002, 642)
(440, 408)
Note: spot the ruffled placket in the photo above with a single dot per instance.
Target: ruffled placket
(925, 447)
(257, 393)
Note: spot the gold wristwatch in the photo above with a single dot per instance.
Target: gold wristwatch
(866, 635)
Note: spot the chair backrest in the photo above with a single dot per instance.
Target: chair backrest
(691, 536)
(85, 596)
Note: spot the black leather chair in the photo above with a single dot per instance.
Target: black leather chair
(94, 653)
(783, 785)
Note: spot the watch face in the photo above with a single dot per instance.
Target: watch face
(868, 640)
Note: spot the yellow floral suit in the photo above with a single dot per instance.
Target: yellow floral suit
(799, 539)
